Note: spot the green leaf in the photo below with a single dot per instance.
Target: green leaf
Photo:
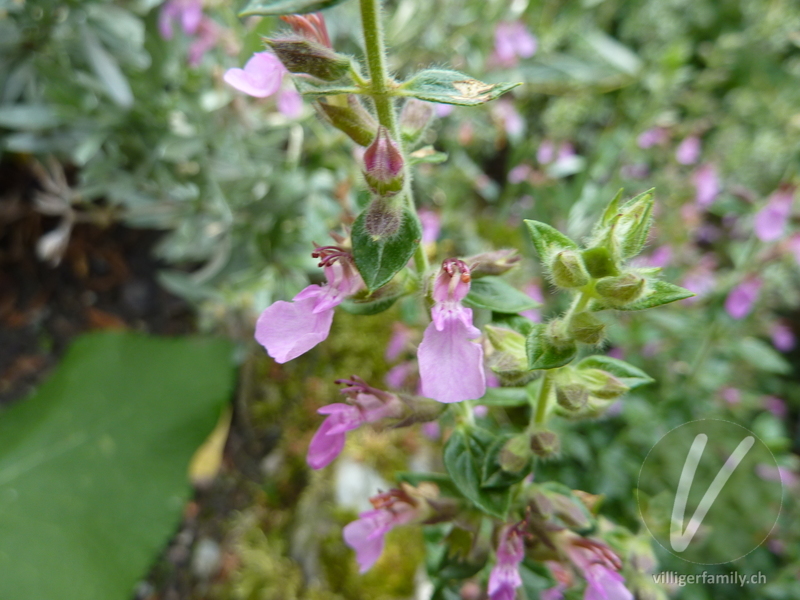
(452, 87)
(93, 466)
(276, 8)
(762, 356)
(508, 396)
(631, 376)
(31, 117)
(365, 303)
(427, 155)
(464, 455)
(548, 240)
(492, 474)
(380, 259)
(107, 69)
(543, 354)
(656, 294)
(633, 226)
(498, 295)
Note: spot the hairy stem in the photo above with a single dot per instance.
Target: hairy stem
(375, 48)
(544, 396)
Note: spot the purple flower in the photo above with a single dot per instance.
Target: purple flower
(700, 280)
(546, 152)
(782, 474)
(289, 329)
(450, 365)
(519, 173)
(365, 535)
(731, 395)
(600, 567)
(505, 112)
(740, 301)
(776, 406)
(770, 221)
(261, 77)
(188, 12)
(505, 578)
(513, 41)
(654, 136)
(783, 337)
(534, 291)
(207, 35)
(688, 151)
(443, 110)
(368, 405)
(707, 186)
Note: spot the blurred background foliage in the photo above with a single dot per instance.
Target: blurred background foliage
(144, 132)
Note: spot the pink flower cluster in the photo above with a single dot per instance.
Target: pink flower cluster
(263, 76)
(189, 13)
(513, 41)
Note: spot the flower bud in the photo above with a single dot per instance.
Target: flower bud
(599, 262)
(353, 119)
(414, 120)
(572, 397)
(568, 271)
(572, 514)
(383, 164)
(602, 384)
(621, 289)
(558, 335)
(545, 443)
(495, 262)
(305, 56)
(515, 454)
(586, 328)
(383, 218)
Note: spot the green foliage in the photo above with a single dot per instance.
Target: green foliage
(93, 467)
(452, 87)
(268, 8)
(498, 295)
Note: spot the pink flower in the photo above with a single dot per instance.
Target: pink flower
(368, 405)
(731, 395)
(563, 580)
(782, 474)
(770, 221)
(654, 136)
(776, 406)
(600, 567)
(740, 301)
(519, 173)
(450, 365)
(399, 375)
(505, 578)
(188, 12)
(688, 150)
(707, 186)
(546, 152)
(207, 35)
(289, 329)
(262, 77)
(534, 291)
(443, 110)
(513, 41)
(783, 337)
(701, 280)
(431, 225)
(512, 121)
(365, 535)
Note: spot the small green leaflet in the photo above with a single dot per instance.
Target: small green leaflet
(548, 240)
(499, 296)
(452, 87)
(276, 8)
(378, 260)
(631, 376)
(657, 293)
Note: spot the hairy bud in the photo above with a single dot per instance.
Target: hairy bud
(572, 396)
(545, 443)
(495, 262)
(383, 164)
(599, 262)
(621, 289)
(353, 119)
(305, 56)
(586, 328)
(515, 454)
(602, 384)
(568, 271)
(383, 218)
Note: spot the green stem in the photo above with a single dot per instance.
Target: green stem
(580, 302)
(375, 48)
(464, 410)
(544, 396)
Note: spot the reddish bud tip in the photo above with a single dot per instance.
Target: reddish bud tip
(383, 164)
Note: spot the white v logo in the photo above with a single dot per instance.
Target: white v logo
(680, 539)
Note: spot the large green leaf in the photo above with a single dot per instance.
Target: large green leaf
(275, 8)
(464, 456)
(93, 466)
(452, 87)
(379, 258)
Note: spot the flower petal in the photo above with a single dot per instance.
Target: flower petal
(365, 536)
(289, 329)
(450, 365)
(324, 446)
